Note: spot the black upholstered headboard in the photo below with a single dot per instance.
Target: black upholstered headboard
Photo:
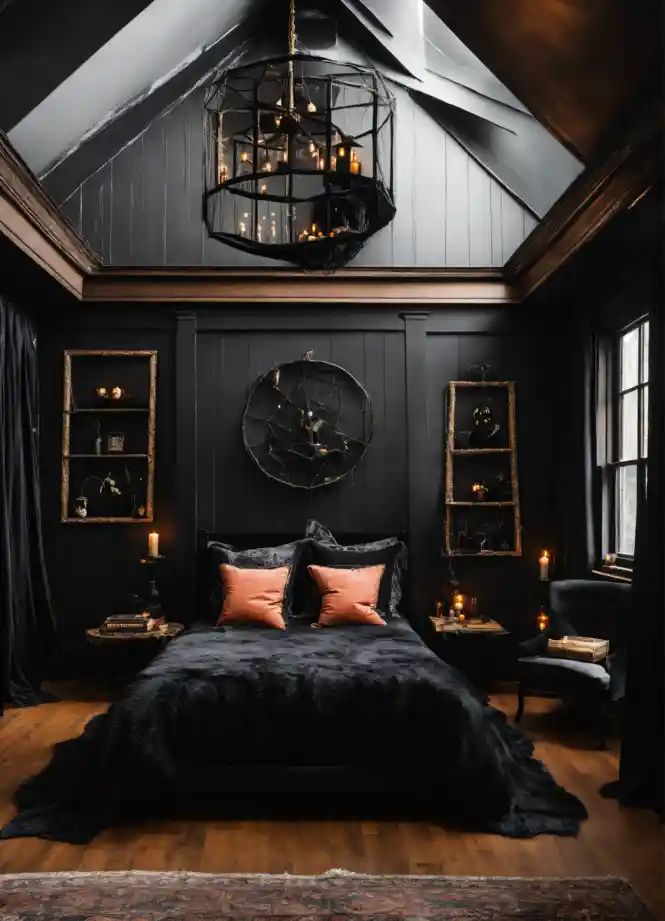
(248, 540)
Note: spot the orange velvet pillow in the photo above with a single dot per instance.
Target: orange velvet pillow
(253, 596)
(348, 596)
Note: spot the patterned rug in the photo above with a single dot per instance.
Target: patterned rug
(336, 896)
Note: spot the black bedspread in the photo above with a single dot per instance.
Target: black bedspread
(361, 696)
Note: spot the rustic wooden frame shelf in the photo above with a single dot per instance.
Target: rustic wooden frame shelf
(110, 409)
(69, 410)
(452, 452)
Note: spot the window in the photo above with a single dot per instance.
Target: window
(626, 437)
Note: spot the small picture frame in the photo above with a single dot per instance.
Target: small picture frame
(115, 443)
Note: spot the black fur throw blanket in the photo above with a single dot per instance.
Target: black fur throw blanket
(371, 697)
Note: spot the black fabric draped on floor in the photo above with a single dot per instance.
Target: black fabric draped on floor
(27, 627)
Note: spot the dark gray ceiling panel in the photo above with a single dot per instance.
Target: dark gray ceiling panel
(528, 161)
(43, 43)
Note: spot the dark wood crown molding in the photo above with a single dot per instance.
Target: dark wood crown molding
(631, 168)
(266, 286)
(31, 220)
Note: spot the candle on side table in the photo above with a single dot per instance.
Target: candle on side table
(544, 565)
(153, 544)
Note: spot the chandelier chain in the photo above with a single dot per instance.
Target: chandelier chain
(292, 27)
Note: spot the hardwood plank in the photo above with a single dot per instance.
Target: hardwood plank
(614, 841)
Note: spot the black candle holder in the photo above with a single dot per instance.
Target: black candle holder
(154, 605)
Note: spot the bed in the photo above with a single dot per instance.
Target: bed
(352, 709)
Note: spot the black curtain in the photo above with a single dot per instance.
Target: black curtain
(642, 770)
(27, 627)
(578, 481)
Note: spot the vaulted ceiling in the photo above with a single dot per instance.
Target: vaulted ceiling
(535, 92)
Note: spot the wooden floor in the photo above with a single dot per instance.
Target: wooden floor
(614, 841)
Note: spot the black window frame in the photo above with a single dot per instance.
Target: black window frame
(611, 395)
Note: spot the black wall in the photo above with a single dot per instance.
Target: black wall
(209, 358)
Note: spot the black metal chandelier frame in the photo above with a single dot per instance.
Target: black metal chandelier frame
(272, 129)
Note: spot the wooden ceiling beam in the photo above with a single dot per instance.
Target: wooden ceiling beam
(597, 196)
(32, 221)
(261, 286)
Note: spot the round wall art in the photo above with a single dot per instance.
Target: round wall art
(307, 423)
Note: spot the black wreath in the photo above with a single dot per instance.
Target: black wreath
(307, 423)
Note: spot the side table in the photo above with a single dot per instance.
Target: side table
(482, 650)
(124, 654)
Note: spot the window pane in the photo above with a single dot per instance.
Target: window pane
(645, 351)
(645, 421)
(630, 348)
(628, 442)
(626, 510)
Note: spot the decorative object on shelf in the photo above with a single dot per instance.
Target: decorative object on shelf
(307, 423)
(297, 142)
(542, 620)
(125, 494)
(485, 429)
(544, 566)
(98, 438)
(491, 525)
(479, 492)
(115, 443)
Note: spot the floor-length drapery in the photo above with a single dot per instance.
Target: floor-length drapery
(578, 480)
(27, 628)
(642, 769)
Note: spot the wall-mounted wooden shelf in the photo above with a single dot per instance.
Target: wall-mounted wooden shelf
(110, 409)
(84, 370)
(465, 464)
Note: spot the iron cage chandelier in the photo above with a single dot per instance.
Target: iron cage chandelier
(298, 158)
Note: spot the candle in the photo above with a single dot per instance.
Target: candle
(458, 605)
(543, 621)
(544, 564)
(153, 544)
(355, 167)
(311, 106)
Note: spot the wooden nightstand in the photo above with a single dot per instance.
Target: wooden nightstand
(481, 649)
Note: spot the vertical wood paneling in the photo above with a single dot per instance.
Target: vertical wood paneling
(153, 181)
(234, 496)
(496, 223)
(96, 212)
(145, 206)
(429, 190)
(457, 204)
(513, 224)
(123, 211)
(480, 216)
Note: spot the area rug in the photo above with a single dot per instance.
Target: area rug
(336, 896)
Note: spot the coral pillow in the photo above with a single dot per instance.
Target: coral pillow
(254, 596)
(348, 596)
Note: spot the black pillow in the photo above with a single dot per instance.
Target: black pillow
(320, 533)
(392, 556)
(254, 558)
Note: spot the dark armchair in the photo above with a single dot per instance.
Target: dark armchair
(581, 607)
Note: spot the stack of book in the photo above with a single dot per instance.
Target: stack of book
(582, 648)
(125, 623)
